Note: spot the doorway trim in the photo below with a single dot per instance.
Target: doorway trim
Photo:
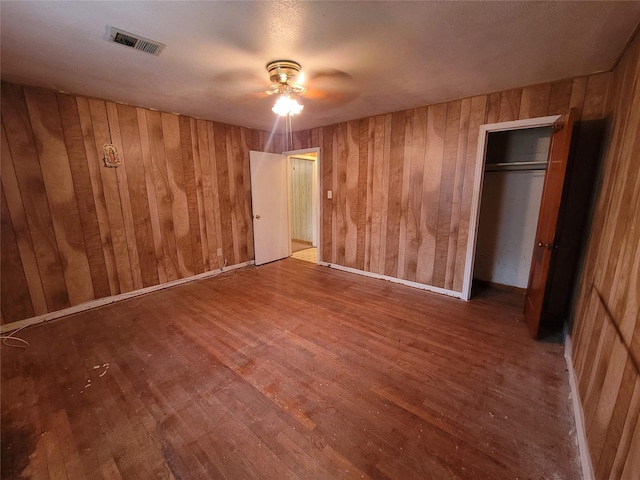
(318, 196)
(478, 183)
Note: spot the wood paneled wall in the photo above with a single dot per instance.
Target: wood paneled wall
(402, 182)
(606, 330)
(74, 231)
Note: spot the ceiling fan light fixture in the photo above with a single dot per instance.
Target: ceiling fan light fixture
(285, 106)
(286, 78)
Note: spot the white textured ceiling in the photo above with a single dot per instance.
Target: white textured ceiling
(360, 58)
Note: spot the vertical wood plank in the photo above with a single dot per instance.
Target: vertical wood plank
(377, 192)
(447, 182)
(384, 200)
(20, 228)
(179, 207)
(246, 146)
(93, 167)
(136, 187)
(596, 96)
(476, 118)
(452, 250)
(613, 414)
(369, 195)
(351, 186)
(327, 184)
(217, 202)
(336, 204)
(236, 192)
(493, 109)
(340, 194)
(510, 105)
(200, 208)
(414, 200)
(394, 197)
(623, 450)
(24, 162)
(404, 196)
(363, 153)
(535, 101)
(186, 143)
(222, 174)
(125, 197)
(81, 178)
(16, 301)
(163, 195)
(436, 124)
(578, 92)
(210, 205)
(98, 113)
(56, 174)
(559, 97)
(154, 216)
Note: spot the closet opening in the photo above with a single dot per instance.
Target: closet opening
(514, 172)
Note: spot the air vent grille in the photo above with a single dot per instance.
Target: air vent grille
(135, 41)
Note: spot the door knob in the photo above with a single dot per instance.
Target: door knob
(257, 217)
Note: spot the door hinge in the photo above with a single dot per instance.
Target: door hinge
(558, 125)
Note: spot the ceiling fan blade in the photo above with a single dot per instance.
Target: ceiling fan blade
(239, 77)
(330, 74)
(334, 96)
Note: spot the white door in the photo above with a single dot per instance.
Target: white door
(270, 202)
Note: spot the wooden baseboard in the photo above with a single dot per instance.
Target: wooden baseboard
(421, 286)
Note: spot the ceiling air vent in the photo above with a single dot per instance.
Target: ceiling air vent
(135, 41)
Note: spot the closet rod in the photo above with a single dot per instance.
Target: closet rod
(515, 166)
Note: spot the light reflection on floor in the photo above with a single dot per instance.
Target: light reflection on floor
(308, 255)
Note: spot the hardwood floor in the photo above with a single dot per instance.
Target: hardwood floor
(288, 370)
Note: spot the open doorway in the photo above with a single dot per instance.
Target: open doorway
(303, 205)
(503, 146)
(272, 204)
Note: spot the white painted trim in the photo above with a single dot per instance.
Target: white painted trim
(477, 187)
(408, 283)
(115, 298)
(583, 447)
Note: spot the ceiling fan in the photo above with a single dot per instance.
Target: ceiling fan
(329, 86)
(285, 77)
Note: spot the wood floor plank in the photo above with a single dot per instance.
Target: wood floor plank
(300, 379)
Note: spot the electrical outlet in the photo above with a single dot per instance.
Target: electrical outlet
(219, 252)
(329, 194)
